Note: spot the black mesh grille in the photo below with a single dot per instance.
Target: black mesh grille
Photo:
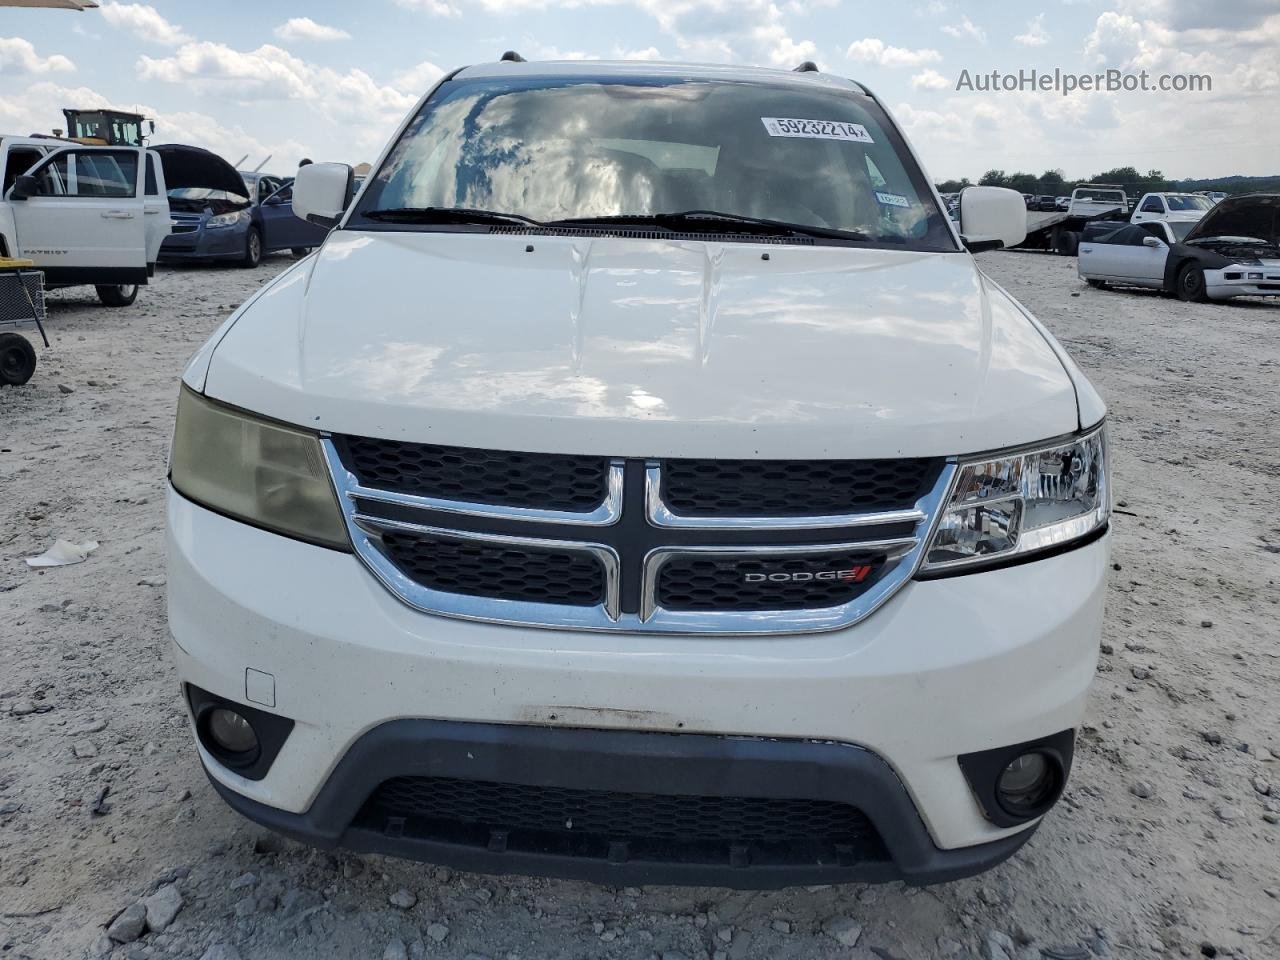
(796, 582)
(788, 488)
(548, 481)
(479, 569)
(594, 822)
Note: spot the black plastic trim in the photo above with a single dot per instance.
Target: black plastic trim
(272, 730)
(77, 276)
(983, 769)
(696, 764)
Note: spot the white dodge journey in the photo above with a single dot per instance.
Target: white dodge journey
(642, 484)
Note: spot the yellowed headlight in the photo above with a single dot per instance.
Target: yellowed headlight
(264, 473)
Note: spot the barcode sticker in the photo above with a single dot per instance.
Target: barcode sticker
(816, 129)
(892, 199)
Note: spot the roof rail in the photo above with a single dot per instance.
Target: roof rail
(511, 57)
(807, 67)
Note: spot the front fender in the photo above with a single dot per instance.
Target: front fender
(1180, 254)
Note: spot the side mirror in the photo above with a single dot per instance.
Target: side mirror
(25, 187)
(321, 192)
(1152, 242)
(991, 218)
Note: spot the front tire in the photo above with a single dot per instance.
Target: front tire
(1191, 285)
(252, 248)
(1097, 284)
(117, 294)
(17, 359)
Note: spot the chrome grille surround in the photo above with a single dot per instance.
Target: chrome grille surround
(369, 512)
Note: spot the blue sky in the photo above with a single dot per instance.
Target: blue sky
(331, 80)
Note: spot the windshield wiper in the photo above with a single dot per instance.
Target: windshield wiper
(446, 215)
(714, 221)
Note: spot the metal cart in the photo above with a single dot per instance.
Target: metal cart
(21, 304)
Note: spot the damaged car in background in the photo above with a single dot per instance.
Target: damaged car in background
(218, 215)
(1233, 251)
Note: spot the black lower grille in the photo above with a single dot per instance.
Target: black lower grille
(632, 826)
(794, 582)
(792, 488)
(478, 569)
(548, 481)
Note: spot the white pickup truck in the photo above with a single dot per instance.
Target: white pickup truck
(643, 483)
(84, 215)
(1172, 207)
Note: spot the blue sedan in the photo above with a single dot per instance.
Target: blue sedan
(222, 214)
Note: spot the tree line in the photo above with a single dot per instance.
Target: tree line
(1055, 183)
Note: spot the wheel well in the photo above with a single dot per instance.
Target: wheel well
(1171, 272)
(4, 245)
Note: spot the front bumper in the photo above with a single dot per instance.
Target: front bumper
(1234, 281)
(204, 244)
(623, 762)
(947, 667)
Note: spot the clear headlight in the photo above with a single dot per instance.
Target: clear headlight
(223, 220)
(1022, 502)
(264, 473)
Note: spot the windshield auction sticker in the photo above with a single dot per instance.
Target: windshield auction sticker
(816, 129)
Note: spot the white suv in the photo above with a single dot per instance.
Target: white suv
(641, 484)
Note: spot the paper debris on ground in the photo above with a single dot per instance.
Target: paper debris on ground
(63, 552)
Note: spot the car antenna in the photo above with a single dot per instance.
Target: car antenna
(807, 67)
(511, 57)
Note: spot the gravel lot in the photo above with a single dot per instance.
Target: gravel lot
(1167, 842)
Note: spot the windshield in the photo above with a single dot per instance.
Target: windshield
(1181, 228)
(554, 149)
(1188, 202)
(1099, 196)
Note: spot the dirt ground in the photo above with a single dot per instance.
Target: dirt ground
(1166, 843)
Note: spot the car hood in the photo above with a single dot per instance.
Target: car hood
(186, 166)
(645, 348)
(1256, 215)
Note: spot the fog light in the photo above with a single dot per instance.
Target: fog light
(232, 732)
(1255, 276)
(1026, 783)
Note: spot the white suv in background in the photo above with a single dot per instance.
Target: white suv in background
(641, 484)
(83, 215)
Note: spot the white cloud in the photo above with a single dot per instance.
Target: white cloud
(929, 80)
(304, 28)
(350, 110)
(437, 8)
(966, 29)
(417, 80)
(43, 100)
(19, 56)
(874, 50)
(1036, 35)
(1237, 16)
(780, 49)
(144, 21)
(648, 53)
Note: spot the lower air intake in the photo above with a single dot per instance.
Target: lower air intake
(623, 826)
